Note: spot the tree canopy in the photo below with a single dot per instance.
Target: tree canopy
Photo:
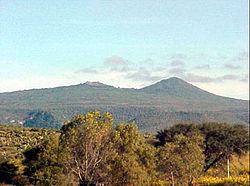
(41, 119)
(221, 140)
(90, 150)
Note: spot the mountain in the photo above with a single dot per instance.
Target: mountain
(152, 108)
(177, 87)
(96, 84)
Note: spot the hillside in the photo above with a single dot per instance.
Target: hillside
(15, 140)
(178, 88)
(153, 107)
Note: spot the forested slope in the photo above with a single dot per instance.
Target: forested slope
(153, 107)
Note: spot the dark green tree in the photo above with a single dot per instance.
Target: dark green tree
(41, 119)
(44, 163)
(168, 134)
(222, 140)
(7, 172)
(133, 163)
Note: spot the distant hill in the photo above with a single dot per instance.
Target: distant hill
(152, 108)
(176, 87)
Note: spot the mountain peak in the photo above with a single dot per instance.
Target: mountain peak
(176, 87)
(95, 83)
(172, 80)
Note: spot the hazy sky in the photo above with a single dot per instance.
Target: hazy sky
(126, 43)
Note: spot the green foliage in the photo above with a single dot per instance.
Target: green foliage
(15, 140)
(7, 171)
(46, 168)
(222, 141)
(88, 150)
(239, 166)
(168, 134)
(86, 147)
(41, 119)
(134, 162)
(16, 145)
(182, 159)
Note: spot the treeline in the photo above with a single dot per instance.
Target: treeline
(148, 119)
(90, 151)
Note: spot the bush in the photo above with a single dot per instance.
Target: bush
(240, 180)
(21, 180)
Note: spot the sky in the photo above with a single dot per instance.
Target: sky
(49, 43)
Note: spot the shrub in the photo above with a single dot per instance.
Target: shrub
(213, 181)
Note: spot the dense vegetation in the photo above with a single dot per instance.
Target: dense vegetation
(41, 119)
(89, 150)
(16, 140)
(152, 108)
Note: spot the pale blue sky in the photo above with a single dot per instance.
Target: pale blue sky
(47, 43)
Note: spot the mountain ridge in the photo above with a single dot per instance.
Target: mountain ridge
(160, 104)
(172, 80)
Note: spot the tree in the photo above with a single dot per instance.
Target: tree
(50, 170)
(86, 147)
(44, 163)
(222, 140)
(7, 171)
(168, 134)
(133, 163)
(182, 159)
(41, 119)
